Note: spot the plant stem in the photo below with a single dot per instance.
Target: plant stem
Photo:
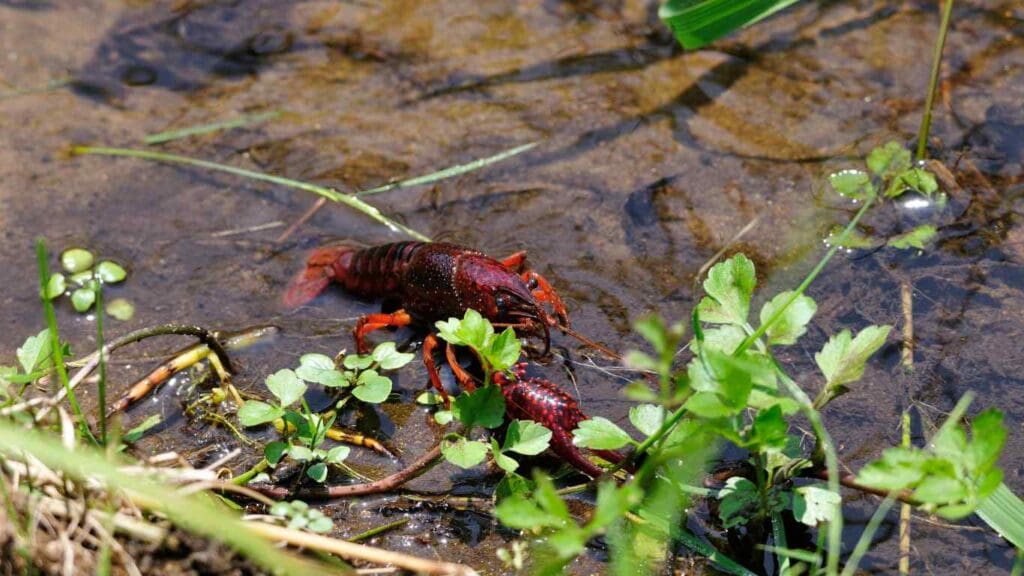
(58, 353)
(379, 530)
(751, 338)
(865, 538)
(102, 384)
(346, 199)
(243, 478)
(926, 119)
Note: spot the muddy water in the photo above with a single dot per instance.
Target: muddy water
(649, 162)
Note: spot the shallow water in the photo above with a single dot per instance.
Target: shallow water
(649, 161)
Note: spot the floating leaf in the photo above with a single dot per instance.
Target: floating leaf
(600, 434)
(372, 387)
(320, 369)
(110, 272)
(120, 309)
(464, 453)
(357, 361)
(443, 417)
(888, 160)
(851, 239)
(853, 184)
(389, 358)
(76, 260)
(55, 286)
(83, 298)
(916, 179)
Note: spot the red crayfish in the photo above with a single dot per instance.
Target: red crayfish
(431, 282)
(543, 402)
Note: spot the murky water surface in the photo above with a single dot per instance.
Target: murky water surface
(650, 160)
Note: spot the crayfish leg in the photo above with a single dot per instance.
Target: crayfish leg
(371, 322)
(561, 444)
(430, 344)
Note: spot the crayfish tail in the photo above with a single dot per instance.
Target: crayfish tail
(323, 266)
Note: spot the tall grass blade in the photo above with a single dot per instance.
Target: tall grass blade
(1004, 512)
(58, 352)
(450, 172)
(697, 23)
(865, 538)
(330, 194)
(239, 122)
(192, 513)
(933, 83)
(102, 384)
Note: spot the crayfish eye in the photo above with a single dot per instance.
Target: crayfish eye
(501, 302)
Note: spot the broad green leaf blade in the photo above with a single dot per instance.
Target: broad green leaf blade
(793, 322)
(254, 413)
(319, 368)
(729, 286)
(814, 504)
(372, 387)
(76, 260)
(483, 407)
(843, 357)
(526, 437)
(853, 184)
(34, 351)
(286, 386)
(647, 418)
(697, 23)
(464, 453)
(600, 434)
(914, 238)
(389, 358)
(1004, 512)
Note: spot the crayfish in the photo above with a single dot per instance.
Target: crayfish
(431, 282)
(543, 402)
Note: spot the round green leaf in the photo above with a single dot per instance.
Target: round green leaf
(600, 434)
(338, 454)
(274, 451)
(76, 260)
(389, 358)
(320, 525)
(83, 298)
(464, 453)
(320, 369)
(443, 417)
(120, 309)
(300, 453)
(254, 413)
(55, 286)
(81, 278)
(318, 472)
(372, 387)
(110, 272)
(526, 437)
(286, 386)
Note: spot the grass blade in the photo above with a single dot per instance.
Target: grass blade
(933, 82)
(244, 120)
(697, 23)
(330, 194)
(1004, 512)
(450, 172)
(193, 513)
(722, 562)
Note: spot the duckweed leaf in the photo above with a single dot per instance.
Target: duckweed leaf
(483, 407)
(888, 160)
(647, 418)
(120, 309)
(389, 358)
(55, 286)
(916, 238)
(318, 472)
(35, 351)
(600, 434)
(81, 278)
(793, 322)
(464, 453)
(76, 260)
(286, 386)
(254, 413)
(274, 451)
(814, 504)
(526, 437)
(83, 298)
(110, 272)
(853, 184)
(320, 369)
(729, 286)
(843, 357)
(372, 388)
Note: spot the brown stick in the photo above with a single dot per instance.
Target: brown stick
(302, 220)
(421, 465)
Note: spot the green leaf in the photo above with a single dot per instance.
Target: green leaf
(504, 462)
(254, 413)
(429, 398)
(504, 350)
(636, 360)
(372, 388)
(888, 160)
(1004, 512)
(320, 369)
(843, 357)
(110, 272)
(852, 239)
(853, 184)
(55, 286)
(483, 407)
(83, 298)
(513, 484)
(729, 286)
(793, 322)
(286, 386)
(815, 504)
(36, 350)
(915, 238)
(120, 309)
(274, 451)
(300, 453)
(464, 453)
(988, 436)
(389, 358)
(318, 472)
(548, 497)
(139, 431)
(730, 377)
(526, 437)
(600, 434)
(768, 432)
(76, 260)
(357, 362)
(696, 23)
(338, 454)
(449, 331)
(320, 525)
(739, 500)
(916, 179)
(612, 504)
(81, 278)
(647, 418)
(520, 513)
(725, 339)
(475, 330)
(443, 417)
